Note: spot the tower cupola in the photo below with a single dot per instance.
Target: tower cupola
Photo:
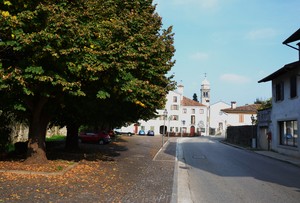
(205, 92)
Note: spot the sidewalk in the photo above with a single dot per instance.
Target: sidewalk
(281, 157)
(275, 155)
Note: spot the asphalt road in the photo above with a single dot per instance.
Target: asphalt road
(209, 171)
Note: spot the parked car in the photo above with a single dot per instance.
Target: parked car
(141, 132)
(150, 133)
(123, 133)
(100, 138)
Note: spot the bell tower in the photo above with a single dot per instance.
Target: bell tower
(205, 92)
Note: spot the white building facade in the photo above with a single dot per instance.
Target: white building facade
(181, 116)
(218, 120)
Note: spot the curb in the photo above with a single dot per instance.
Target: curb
(161, 148)
(275, 156)
(23, 172)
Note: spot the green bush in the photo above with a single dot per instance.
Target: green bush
(56, 138)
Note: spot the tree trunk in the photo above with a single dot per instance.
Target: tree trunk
(72, 137)
(36, 153)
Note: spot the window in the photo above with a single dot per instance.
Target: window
(175, 99)
(193, 119)
(205, 94)
(220, 126)
(279, 92)
(174, 129)
(293, 86)
(201, 111)
(288, 132)
(193, 111)
(174, 107)
(241, 118)
(174, 118)
(184, 110)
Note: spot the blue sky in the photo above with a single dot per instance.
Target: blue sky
(235, 42)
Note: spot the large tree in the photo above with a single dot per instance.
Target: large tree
(137, 85)
(40, 61)
(114, 51)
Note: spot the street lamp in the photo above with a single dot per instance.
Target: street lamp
(252, 119)
(253, 139)
(200, 126)
(165, 114)
(183, 123)
(168, 131)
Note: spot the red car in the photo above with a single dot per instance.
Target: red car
(100, 138)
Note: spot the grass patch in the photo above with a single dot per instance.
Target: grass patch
(56, 138)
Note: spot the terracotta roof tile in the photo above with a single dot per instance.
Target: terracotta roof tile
(247, 109)
(189, 102)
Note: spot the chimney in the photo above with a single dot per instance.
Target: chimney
(233, 105)
(180, 89)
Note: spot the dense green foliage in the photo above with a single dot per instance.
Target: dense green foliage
(264, 104)
(91, 60)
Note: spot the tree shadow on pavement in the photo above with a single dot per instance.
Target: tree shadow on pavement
(87, 151)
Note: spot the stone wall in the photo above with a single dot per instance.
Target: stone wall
(20, 132)
(241, 135)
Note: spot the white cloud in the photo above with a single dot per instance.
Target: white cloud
(199, 56)
(264, 33)
(234, 78)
